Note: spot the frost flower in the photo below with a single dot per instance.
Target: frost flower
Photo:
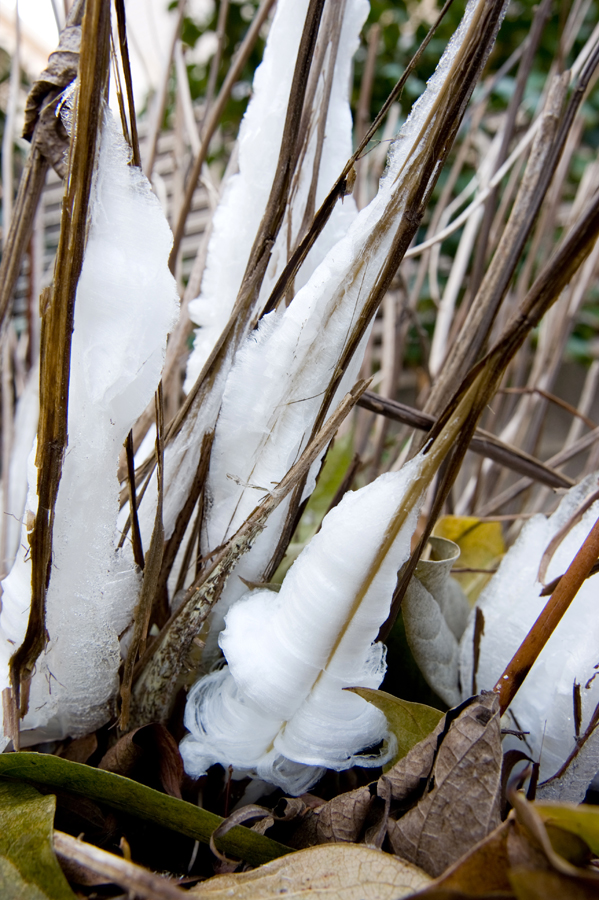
(278, 709)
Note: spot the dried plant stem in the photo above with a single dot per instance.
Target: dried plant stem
(138, 881)
(525, 656)
(484, 443)
(153, 565)
(124, 48)
(57, 326)
(21, 223)
(157, 675)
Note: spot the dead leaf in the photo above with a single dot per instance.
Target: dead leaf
(332, 872)
(481, 871)
(461, 806)
(410, 774)
(341, 819)
(481, 547)
(80, 749)
(409, 722)
(152, 754)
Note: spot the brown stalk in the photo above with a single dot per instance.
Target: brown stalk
(542, 13)
(559, 459)
(483, 310)
(213, 119)
(482, 381)
(124, 48)
(153, 564)
(484, 443)
(57, 325)
(559, 536)
(530, 648)
(552, 398)
(341, 186)
(157, 674)
(417, 182)
(221, 25)
(138, 881)
(138, 553)
(363, 112)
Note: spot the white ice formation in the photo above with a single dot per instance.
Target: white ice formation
(274, 392)
(126, 304)
(240, 211)
(510, 605)
(278, 710)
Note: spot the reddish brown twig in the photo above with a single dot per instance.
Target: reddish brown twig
(530, 648)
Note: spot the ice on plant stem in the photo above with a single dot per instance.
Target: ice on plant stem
(274, 392)
(278, 709)
(126, 303)
(543, 707)
(240, 211)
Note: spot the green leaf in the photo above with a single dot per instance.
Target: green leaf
(409, 722)
(29, 869)
(138, 800)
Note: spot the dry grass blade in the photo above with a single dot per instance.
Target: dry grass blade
(57, 327)
(344, 183)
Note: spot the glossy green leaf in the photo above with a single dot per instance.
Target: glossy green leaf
(138, 800)
(409, 722)
(29, 869)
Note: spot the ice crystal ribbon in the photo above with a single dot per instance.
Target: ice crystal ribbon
(278, 709)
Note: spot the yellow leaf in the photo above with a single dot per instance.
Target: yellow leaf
(327, 872)
(481, 545)
(580, 820)
(409, 722)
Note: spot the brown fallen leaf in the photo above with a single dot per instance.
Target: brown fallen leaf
(152, 754)
(462, 802)
(332, 872)
(408, 776)
(340, 819)
(80, 749)
(483, 869)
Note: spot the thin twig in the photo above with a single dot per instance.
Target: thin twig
(530, 648)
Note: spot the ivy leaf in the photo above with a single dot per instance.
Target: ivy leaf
(29, 869)
(409, 722)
